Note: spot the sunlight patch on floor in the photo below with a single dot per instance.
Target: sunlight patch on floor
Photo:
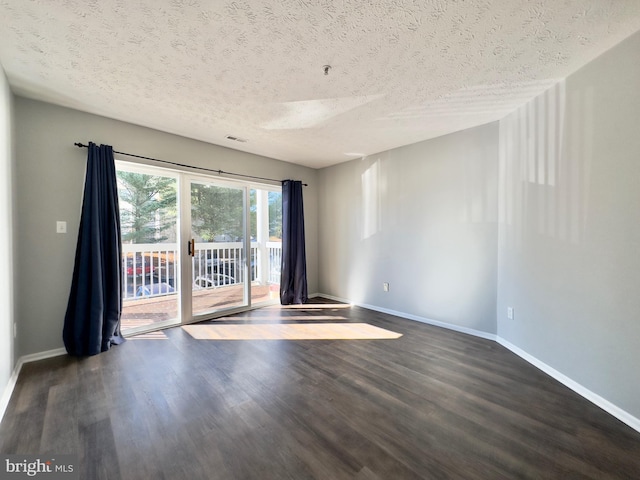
(309, 306)
(157, 335)
(288, 331)
(277, 318)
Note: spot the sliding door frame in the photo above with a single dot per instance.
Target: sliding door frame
(187, 180)
(184, 177)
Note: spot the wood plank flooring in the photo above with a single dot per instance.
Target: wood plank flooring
(432, 404)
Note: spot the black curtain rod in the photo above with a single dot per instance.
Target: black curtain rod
(219, 172)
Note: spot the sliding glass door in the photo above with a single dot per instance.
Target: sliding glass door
(218, 247)
(195, 247)
(150, 258)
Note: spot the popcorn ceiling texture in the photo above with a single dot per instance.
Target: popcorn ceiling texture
(402, 71)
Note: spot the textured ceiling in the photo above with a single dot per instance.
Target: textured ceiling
(402, 71)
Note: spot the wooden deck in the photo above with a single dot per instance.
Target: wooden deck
(148, 311)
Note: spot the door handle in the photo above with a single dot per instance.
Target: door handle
(191, 247)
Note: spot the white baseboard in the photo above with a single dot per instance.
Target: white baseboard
(34, 357)
(584, 392)
(429, 321)
(8, 390)
(11, 385)
(330, 297)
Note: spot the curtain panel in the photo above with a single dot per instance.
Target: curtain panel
(293, 278)
(92, 320)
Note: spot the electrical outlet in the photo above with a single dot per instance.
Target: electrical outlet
(385, 286)
(61, 227)
(510, 313)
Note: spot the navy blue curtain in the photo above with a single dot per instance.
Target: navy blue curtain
(293, 278)
(92, 321)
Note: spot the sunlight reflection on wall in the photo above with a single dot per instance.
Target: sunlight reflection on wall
(480, 188)
(370, 201)
(542, 189)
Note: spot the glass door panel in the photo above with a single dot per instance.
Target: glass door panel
(266, 244)
(218, 258)
(150, 260)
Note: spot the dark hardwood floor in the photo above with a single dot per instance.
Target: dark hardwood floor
(431, 404)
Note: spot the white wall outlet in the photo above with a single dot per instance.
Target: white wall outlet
(61, 227)
(385, 286)
(510, 313)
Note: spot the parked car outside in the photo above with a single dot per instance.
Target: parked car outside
(154, 289)
(213, 280)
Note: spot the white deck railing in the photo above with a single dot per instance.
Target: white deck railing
(151, 270)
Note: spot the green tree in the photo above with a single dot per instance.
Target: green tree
(216, 212)
(275, 214)
(147, 206)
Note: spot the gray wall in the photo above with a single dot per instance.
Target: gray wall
(569, 236)
(50, 179)
(7, 353)
(421, 217)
